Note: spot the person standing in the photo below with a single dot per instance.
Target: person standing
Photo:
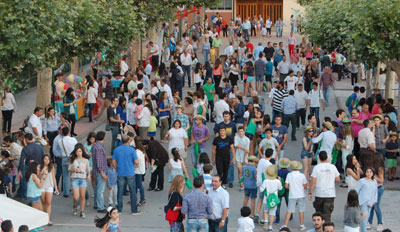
(327, 138)
(283, 68)
(50, 130)
(158, 157)
(280, 133)
(301, 98)
(154, 51)
(367, 142)
(260, 69)
(7, 109)
(216, 44)
(381, 134)
(314, 100)
(291, 43)
(34, 123)
(289, 108)
(246, 27)
(70, 108)
(367, 190)
(108, 94)
(220, 107)
(99, 171)
(218, 221)
(323, 178)
(222, 148)
(327, 84)
(186, 60)
(91, 99)
(278, 95)
(114, 122)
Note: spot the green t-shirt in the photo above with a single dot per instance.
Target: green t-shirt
(251, 128)
(208, 88)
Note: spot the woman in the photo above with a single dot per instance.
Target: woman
(217, 72)
(121, 110)
(178, 138)
(352, 213)
(249, 71)
(307, 150)
(49, 184)
(175, 200)
(379, 166)
(164, 113)
(188, 109)
(7, 109)
(124, 85)
(347, 144)
(174, 77)
(144, 119)
(234, 72)
(35, 181)
(308, 75)
(390, 126)
(206, 47)
(91, 98)
(176, 165)
(255, 118)
(140, 169)
(91, 138)
(367, 189)
(353, 172)
(80, 175)
(199, 105)
(70, 108)
(50, 129)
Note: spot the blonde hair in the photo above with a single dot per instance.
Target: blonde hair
(176, 183)
(348, 130)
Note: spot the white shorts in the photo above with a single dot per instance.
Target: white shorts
(48, 190)
(271, 211)
(297, 203)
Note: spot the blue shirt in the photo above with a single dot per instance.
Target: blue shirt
(249, 176)
(122, 112)
(125, 156)
(230, 128)
(111, 177)
(269, 67)
(197, 205)
(289, 105)
(257, 51)
(278, 133)
(239, 113)
(367, 192)
(353, 97)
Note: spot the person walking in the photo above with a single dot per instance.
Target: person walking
(49, 184)
(114, 122)
(289, 108)
(99, 171)
(314, 100)
(7, 109)
(301, 98)
(91, 99)
(367, 190)
(108, 95)
(50, 128)
(175, 201)
(218, 220)
(327, 82)
(70, 108)
(222, 148)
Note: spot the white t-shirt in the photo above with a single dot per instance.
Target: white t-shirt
(301, 98)
(197, 78)
(272, 186)
(269, 143)
(325, 174)
(291, 82)
(92, 95)
(141, 167)
(219, 109)
(34, 121)
(365, 137)
(314, 97)
(262, 165)
(178, 137)
(245, 224)
(382, 81)
(296, 181)
(240, 153)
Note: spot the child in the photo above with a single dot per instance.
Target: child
(250, 182)
(227, 86)
(245, 223)
(111, 183)
(23, 228)
(207, 176)
(282, 174)
(262, 165)
(152, 127)
(269, 142)
(203, 160)
(271, 185)
(392, 151)
(352, 213)
(347, 144)
(138, 109)
(110, 222)
(242, 145)
(296, 182)
(264, 32)
(7, 181)
(176, 165)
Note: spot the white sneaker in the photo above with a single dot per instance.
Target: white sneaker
(302, 227)
(380, 227)
(368, 226)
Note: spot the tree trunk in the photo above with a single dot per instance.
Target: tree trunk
(75, 66)
(368, 84)
(388, 86)
(43, 89)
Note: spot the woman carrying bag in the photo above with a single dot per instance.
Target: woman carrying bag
(173, 208)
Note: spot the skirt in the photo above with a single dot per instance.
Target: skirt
(173, 173)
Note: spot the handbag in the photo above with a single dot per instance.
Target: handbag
(188, 183)
(166, 207)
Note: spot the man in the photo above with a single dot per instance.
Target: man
(108, 91)
(229, 50)
(246, 27)
(14, 148)
(366, 139)
(165, 87)
(259, 49)
(318, 221)
(32, 152)
(64, 146)
(301, 98)
(291, 81)
(158, 157)
(99, 171)
(325, 61)
(289, 108)
(125, 159)
(132, 84)
(259, 67)
(296, 66)
(279, 94)
(220, 107)
(269, 50)
(114, 122)
(323, 178)
(280, 133)
(283, 68)
(291, 43)
(327, 139)
(216, 43)
(381, 134)
(123, 66)
(340, 59)
(353, 98)
(7, 226)
(242, 146)
(186, 60)
(222, 148)
(154, 52)
(328, 227)
(314, 100)
(218, 221)
(197, 206)
(34, 123)
(327, 84)
(200, 134)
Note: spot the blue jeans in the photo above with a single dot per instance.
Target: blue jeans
(138, 179)
(231, 170)
(278, 31)
(195, 160)
(99, 191)
(22, 183)
(364, 209)
(315, 111)
(214, 225)
(65, 174)
(377, 208)
(59, 169)
(246, 35)
(206, 53)
(186, 72)
(123, 181)
(115, 130)
(327, 93)
(382, 151)
(197, 225)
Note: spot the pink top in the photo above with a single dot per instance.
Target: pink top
(138, 110)
(308, 54)
(357, 127)
(217, 71)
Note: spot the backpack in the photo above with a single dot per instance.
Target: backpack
(348, 101)
(281, 192)
(272, 201)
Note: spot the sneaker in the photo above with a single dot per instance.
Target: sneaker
(83, 215)
(277, 222)
(241, 189)
(265, 227)
(368, 226)
(230, 185)
(283, 226)
(380, 227)
(302, 227)
(75, 211)
(256, 218)
(137, 213)
(102, 211)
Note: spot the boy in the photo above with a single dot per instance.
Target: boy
(271, 185)
(296, 182)
(242, 145)
(392, 151)
(250, 182)
(207, 176)
(222, 145)
(245, 223)
(269, 142)
(274, 88)
(200, 134)
(282, 174)
(262, 165)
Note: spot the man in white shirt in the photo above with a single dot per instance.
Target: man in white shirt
(262, 165)
(186, 60)
(327, 138)
(283, 68)
(301, 97)
(34, 123)
(366, 137)
(315, 100)
(154, 51)
(165, 87)
(148, 69)
(229, 50)
(220, 107)
(295, 66)
(291, 81)
(218, 220)
(323, 180)
(132, 84)
(124, 66)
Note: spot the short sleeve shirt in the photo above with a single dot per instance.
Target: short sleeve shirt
(125, 156)
(223, 147)
(296, 181)
(249, 173)
(278, 133)
(269, 144)
(325, 174)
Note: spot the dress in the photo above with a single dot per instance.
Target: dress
(175, 170)
(114, 227)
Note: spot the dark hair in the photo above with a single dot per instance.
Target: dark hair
(23, 228)
(339, 112)
(356, 88)
(268, 130)
(317, 214)
(372, 169)
(203, 158)
(64, 115)
(245, 211)
(100, 222)
(198, 182)
(284, 229)
(8, 139)
(240, 128)
(138, 101)
(5, 153)
(207, 168)
(6, 226)
(90, 135)
(310, 116)
(291, 92)
(109, 162)
(100, 135)
(352, 199)
(326, 224)
(175, 154)
(179, 121)
(73, 153)
(49, 167)
(28, 136)
(69, 94)
(349, 163)
(327, 119)
(366, 122)
(64, 131)
(32, 169)
(268, 153)
(323, 155)
(139, 144)
(222, 127)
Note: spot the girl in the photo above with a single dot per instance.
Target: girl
(367, 189)
(35, 181)
(176, 165)
(121, 109)
(110, 222)
(379, 166)
(203, 160)
(140, 169)
(49, 184)
(91, 98)
(164, 109)
(80, 175)
(234, 72)
(217, 72)
(353, 172)
(347, 144)
(307, 150)
(197, 76)
(249, 71)
(175, 201)
(70, 108)
(111, 183)
(352, 213)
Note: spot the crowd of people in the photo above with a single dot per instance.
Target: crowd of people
(296, 79)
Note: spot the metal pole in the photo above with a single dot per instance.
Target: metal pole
(141, 50)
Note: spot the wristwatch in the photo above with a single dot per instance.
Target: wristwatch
(223, 221)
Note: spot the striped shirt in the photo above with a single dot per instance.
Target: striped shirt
(278, 97)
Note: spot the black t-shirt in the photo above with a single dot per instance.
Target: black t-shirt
(223, 147)
(175, 198)
(269, 51)
(392, 146)
(112, 113)
(2, 186)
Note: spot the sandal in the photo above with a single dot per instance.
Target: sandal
(139, 204)
(344, 185)
(50, 223)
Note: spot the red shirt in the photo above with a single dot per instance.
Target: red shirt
(250, 45)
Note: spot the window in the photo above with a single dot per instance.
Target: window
(223, 5)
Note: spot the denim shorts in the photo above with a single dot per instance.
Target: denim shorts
(259, 77)
(268, 78)
(261, 195)
(34, 199)
(78, 183)
(304, 155)
(250, 79)
(252, 193)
